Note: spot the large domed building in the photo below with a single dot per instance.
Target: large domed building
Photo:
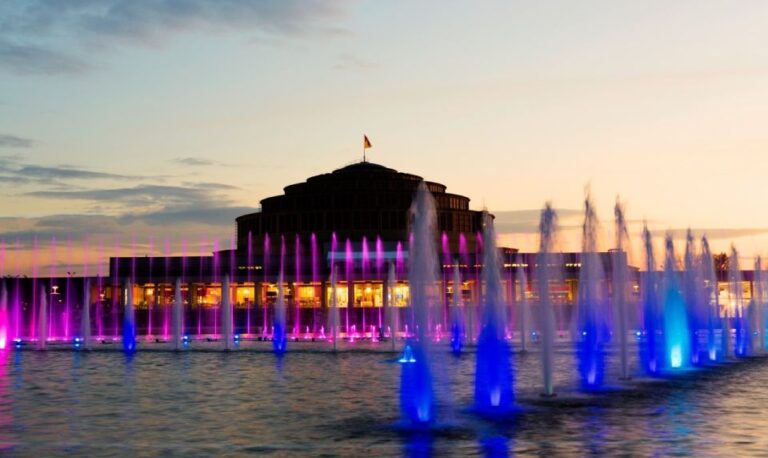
(354, 219)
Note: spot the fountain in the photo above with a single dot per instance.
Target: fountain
(619, 288)
(391, 309)
(522, 304)
(416, 392)
(592, 330)
(85, 318)
(279, 334)
(710, 298)
(743, 342)
(177, 318)
(42, 320)
(695, 306)
(333, 318)
(546, 315)
(757, 307)
(494, 379)
(226, 315)
(129, 320)
(457, 319)
(3, 316)
(676, 330)
(650, 350)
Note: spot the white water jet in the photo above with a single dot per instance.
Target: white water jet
(85, 318)
(741, 310)
(279, 332)
(546, 318)
(226, 315)
(391, 310)
(620, 268)
(711, 297)
(129, 320)
(522, 304)
(42, 321)
(416, 389)
(3, 317)
(758, 303)
(177, 318)
(457, 316)
(334, 310)
(694, 295)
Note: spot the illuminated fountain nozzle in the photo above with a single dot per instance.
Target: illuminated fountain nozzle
(407, 356)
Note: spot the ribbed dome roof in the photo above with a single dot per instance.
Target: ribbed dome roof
(364, 167)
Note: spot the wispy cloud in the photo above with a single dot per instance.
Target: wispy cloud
(712, 233)
(29, 29)
(12, 141)
(66, 172)
(204, 203)
(527, 221)
(15, 170)
(194, 161)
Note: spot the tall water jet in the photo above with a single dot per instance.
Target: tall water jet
(743, 343)
(522, 304)
(493, 369)
(619, 287)
(279, 334)
(457, 317)
(416, 392)
(42, 320)
(651, 347)
(592, 331)
(18, 326)
(333, 316)
(676, 331)
(546, 315)
(757, 307)
(391, 309)
(296, 282)
(693, 289)
(177, 318)
(226, 315)
(85, 317)
(3, 316)
(129, 320)
(711, 297)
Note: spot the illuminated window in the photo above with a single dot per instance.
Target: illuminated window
(308, 296)
(245, 295)
(402, 295)
(342, 297)
(369, 294)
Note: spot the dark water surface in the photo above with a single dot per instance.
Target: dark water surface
(314, 403)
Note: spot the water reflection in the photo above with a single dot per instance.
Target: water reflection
(6, 404)
(418, 444)
(208, 403)
(494, 446)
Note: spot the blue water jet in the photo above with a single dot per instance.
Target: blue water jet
(741, 319)
(711, 294)
(129, 320)
(592, 331)
(651, 345)
(457, 322)
(676, 331)
(417, 397)
(280, 333)
(493, 369)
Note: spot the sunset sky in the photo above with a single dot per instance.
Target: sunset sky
(146, 127)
